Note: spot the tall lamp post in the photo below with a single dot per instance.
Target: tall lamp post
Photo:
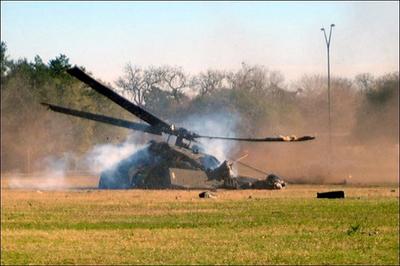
(328, 42)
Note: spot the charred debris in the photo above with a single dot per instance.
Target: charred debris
(163, 165)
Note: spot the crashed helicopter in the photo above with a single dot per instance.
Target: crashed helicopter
(183, 164)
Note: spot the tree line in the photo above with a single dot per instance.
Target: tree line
(364, 108)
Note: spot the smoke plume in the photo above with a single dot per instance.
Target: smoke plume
(217, 124)
(105, 156)
(51, 177)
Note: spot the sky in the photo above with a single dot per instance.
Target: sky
(282, 36)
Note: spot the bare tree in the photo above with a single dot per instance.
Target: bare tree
(249, 78)
(132, 83)
(312, 85)
(174, 80)
(208, 82)
(152, 78)
(275, 80)
(138, 82)
(364, 81)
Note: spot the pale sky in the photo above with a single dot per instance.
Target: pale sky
(283, 36)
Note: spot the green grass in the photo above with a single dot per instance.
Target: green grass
(121, 227)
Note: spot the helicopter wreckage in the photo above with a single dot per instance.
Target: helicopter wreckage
(162, 165)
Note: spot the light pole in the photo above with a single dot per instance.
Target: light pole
(328, 42)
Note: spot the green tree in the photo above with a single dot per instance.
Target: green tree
(4, 60)
(59, 64)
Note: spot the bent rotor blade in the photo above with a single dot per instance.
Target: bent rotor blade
(247, 165)
(118, 99)
(252, 168)
(268, 139)
(105, 119)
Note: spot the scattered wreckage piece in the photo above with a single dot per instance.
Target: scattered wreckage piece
(331, 195)
(207, 195)
(271, 182)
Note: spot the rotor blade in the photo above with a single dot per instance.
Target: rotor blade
(118, 99)
(105, 119)
(240, 158)
(252, 168)
(268, 139)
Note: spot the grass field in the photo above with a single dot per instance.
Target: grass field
(87, 226)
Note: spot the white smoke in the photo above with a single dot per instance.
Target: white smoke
(105, 156)
(51, 177)
(54, 169)
(218, 124)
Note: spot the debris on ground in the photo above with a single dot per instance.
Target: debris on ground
(206, 194)
(271, 182)
(331, 195)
